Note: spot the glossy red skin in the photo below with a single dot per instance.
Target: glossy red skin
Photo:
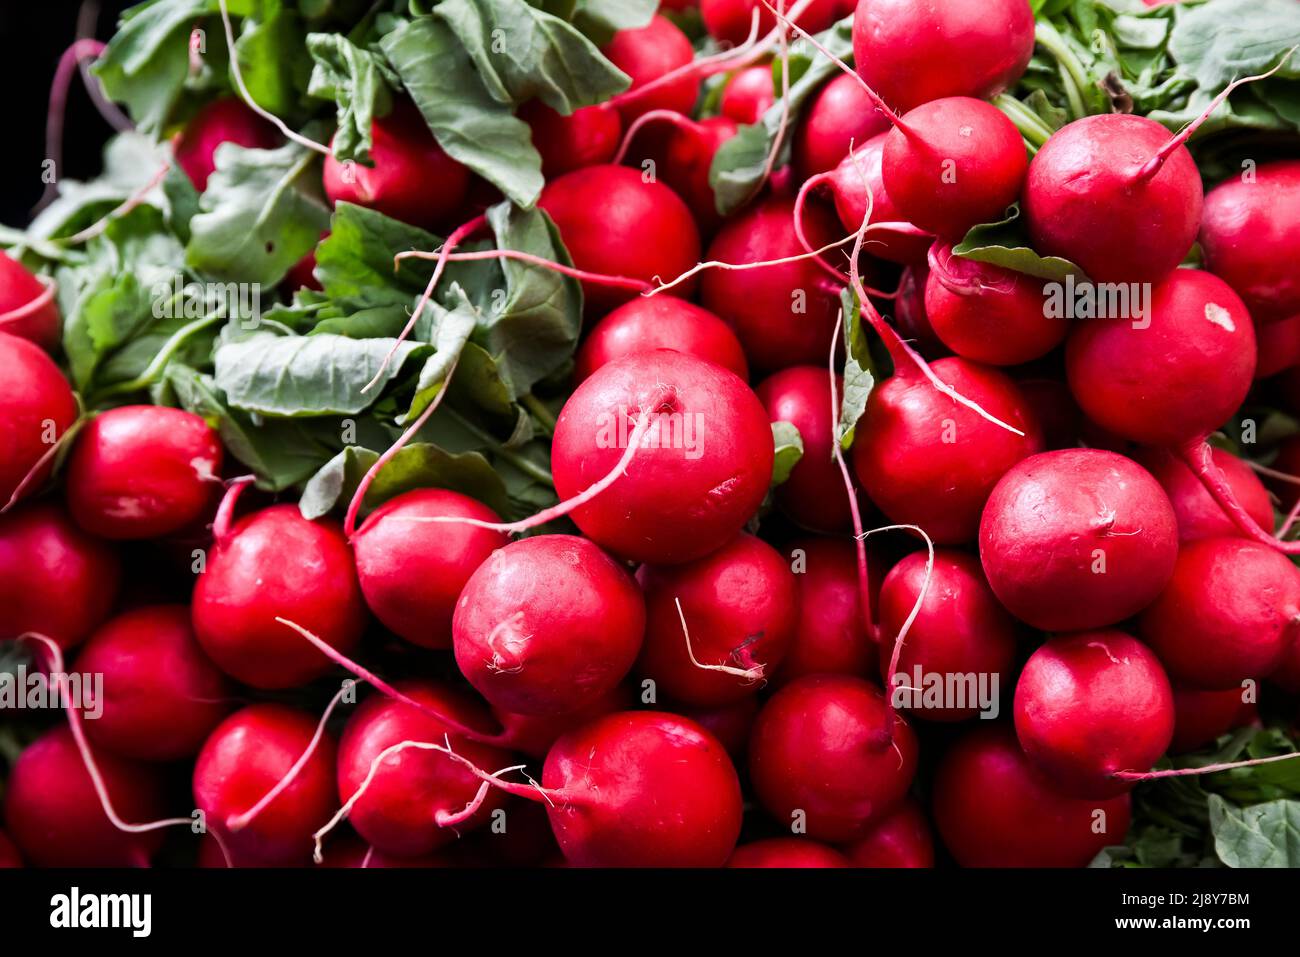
(960, 628)
(276, 564)
(533, 734)
(916, 477)
(9, 856)
(1090, 704)
(55, 817)
(730, 20)
(644, 789)
(1250, 237)
(22, 313)
(647, 53)
(787, 852)
(36, 394)
(963, 165)
(840, 115)
(547, 624)
(852, 181)
(687, 159)
(673, 504)
(396, 812)
(1230, 612)
(831, 634)
(899, 839)
(741, 605)
(989, 314)
(586, 137)
(748, 94)
(644, 229)
(1201, 716)
(659, 322)
(819, 747)
(242, 760)
(1199, 516)
(993, 809)
(729, 723)
(143, 471)
(814, 494)
(411, 572)
(54, 578)
(225, 120)
(1080, 201)
(1050, 520)
(912, 52)
(412, 179)
(760, 304)
(162, 696)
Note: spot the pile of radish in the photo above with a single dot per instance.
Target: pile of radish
(677, 463)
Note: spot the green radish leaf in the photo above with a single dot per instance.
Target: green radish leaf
(147, 60)
(601, 19)
(359, 81)
(1006, 244)
(1218, 42)
(789, 450)
(1265, 835)
(859, 379)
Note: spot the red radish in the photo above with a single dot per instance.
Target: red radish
(899, 839)
(161, 695)
(1199, 516)
(646, 54)
(926, 460)
(681, 158)
(586, 137)
(533, 734)
(786, 852)
(1230, 612)
(276, 564)
(644, 230)
(659, 322)
(1201, 716)
(411, 571)
(840, 116)
(814, 494)
(784, 314)
(748, 93)
(987, 313)
(547, 625)
(1077, 539)
(28, 308)
(1090, 704)
(698, 475)
(730, 21)
(1277, 345)
(820, 757)
(56, 819)
(914, 51)
(960, 630)
(410, 799)
(832, 635)
(54, 578)
(1250, 233)
(412, 179)
(143, 471)
(9, 856)
(729, 723)
(244, 758)
(38, 408)
(224, 120)
(740, 605)
(909, 308)
(993, 809)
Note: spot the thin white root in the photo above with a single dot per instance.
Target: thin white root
(751, 675)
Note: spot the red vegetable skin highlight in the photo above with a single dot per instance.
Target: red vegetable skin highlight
(831, 634)
(899, 839)
(1202, 716)
(38, 408)
(647, 53)
(1199, 516)
(787, 852)
(840, 115)
(225, 120)
(1057, 520)
(659, 322)
(748, 93)
(28, 308)
(586, 137)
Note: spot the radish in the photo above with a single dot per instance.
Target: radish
(644, 230)
(730, 723)
(9, 856)
(813, 495)
(28, 308)
(161, 695)
(715, 627)
(276, 564)
(1230, 612)
(1202, 716)
(960, 630)
(909, 305)
(244, 758)
(748, 93)
(899, 839)
(533, 734)
(820, 757)
(38, 408)
(783, 314)
(659, 322)
(1250, 232)
(786, 852)
(914, 51)
(411, 178)
(730, 21)
(143, 471)
(682, 157)
(1199, 516)
(1090, 704)
(56, 819)
(840, 116)
(647, 53)
(993, 809)
(547, 625)
(1077, 539)
(224, 120)
(411, 571)
(54, 578)
(832, 635)
(696, 478)
(586, 137)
